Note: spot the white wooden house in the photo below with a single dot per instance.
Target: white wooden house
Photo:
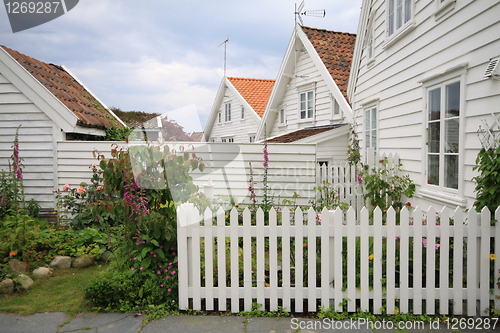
(51, 106)
(423, 82)
(237, 110)
(308, 103)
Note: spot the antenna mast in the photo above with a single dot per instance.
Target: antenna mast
(225, 45)
(314, 13)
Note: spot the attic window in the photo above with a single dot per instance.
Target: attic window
(491, 69)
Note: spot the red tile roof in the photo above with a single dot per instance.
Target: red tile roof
(255, 91)
(336, 50)
(90, 112)
(303, 133)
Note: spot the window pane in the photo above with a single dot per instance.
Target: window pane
(391, 17)
(368, 139)
(407, 10)
(310, 104)
(433, 170)
(374, 139)
(399, 14)
(451, 171)
(453, 100)
(434, 137)
(374, 118)
(451, 135)
(434, 104)
(242, 112)
(367, 120)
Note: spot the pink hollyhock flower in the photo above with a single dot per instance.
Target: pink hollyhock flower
(80, 190)
(100, 188)
(424, 242)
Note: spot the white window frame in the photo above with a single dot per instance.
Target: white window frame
(443, 183)
(336, 112)
(309, 93)
(243, 112)
(227, 112)
(281, 116)
(439, 192)
(220, 117)
(399, 29)
(251, 137)
(227, 139)
(370, 127)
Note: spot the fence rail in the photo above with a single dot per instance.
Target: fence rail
(415, 261)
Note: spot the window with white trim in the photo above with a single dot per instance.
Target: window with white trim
(306, 104)
(228, 139)
(252, 138)
(335, 109)
(443, 126)
(399, 13)
(227, 110)
(220, 117)
(371, 128)
(242, 112)
(282, 118)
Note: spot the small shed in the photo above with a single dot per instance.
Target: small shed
(50, 105)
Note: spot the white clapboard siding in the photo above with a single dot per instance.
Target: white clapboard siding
(406, 254)
(36, 146)
(292, 168)
(395, 80)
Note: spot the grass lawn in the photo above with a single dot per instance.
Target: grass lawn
(61, 292)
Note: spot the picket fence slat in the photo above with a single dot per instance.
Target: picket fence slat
(209, 263)
(247, 257)
(383, 262)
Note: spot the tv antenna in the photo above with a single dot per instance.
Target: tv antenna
(225, 48)
(312, 13)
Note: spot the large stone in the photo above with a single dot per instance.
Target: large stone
(17, 266)
(7, 286)
(107, 256)
(25, 281)
(61, 262)
(42, 272)
(84, 261)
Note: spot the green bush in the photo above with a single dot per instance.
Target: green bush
(120, 292)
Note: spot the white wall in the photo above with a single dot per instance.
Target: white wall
(305, 73)
(291, 167)
(36, 142)
(465, 36)
(238, 128)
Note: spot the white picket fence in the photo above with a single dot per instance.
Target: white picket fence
(345, 178)
(291, 260)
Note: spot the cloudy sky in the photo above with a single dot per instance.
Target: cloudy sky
(164, 55)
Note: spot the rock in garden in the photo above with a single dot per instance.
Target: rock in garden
(61, 262)
(42, 272)
(7, 286)
(84, 261)
(17, 266)
(25, 281)
(106, 256)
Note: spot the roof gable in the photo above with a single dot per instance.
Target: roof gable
(336, 50)
(331, 59)
(69, 91)
(255, 91)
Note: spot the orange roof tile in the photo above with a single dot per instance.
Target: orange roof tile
(90, 112)
(303, 133)
(336, 50)
(255, 91)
